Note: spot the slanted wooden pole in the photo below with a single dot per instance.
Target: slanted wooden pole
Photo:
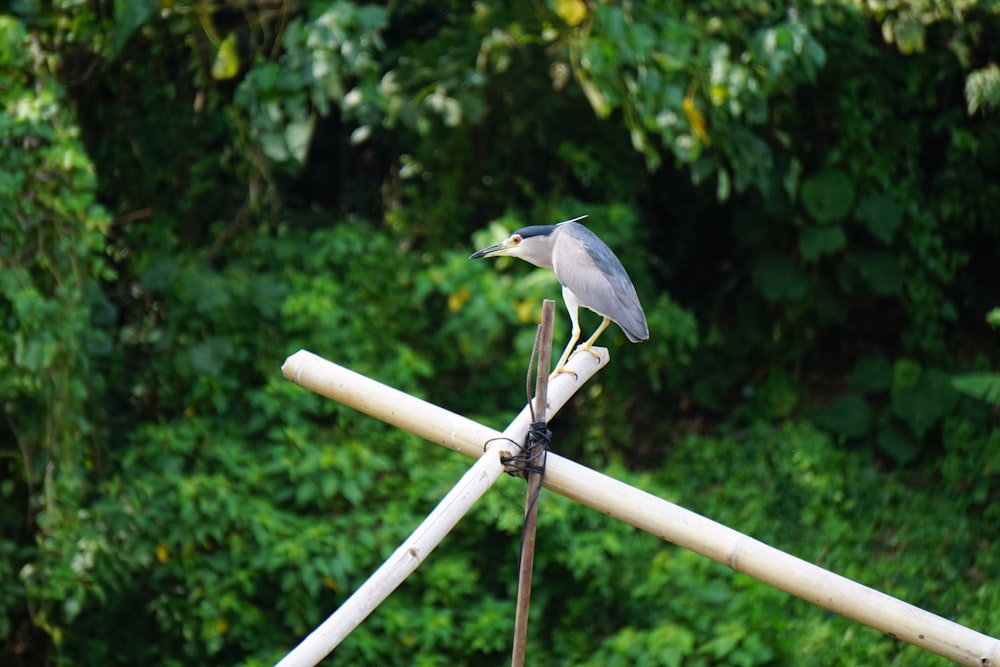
(526, 563)
(655, 515)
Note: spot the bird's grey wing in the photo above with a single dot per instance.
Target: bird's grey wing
(588, 267)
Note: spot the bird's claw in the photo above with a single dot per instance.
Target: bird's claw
(563, 369)
(559, 370)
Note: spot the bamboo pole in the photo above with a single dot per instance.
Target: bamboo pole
(426, 419)
(401, 564)
(657, 516)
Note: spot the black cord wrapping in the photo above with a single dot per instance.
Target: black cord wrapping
(538, 440)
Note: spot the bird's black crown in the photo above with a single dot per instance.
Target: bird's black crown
(535, 230)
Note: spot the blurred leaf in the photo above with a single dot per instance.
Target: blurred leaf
(598, 102)
(981, 386)
(881, 215)
(906, 373)
(908, 34)
(927, 402)
(696, 119)
(881, 270)
(872, 374)
(815, 242)
(573, 12)
(779, 279)
(982, 89)
(899, 443)
(850, 415)
(227, 59)
(129, 15)
(298, 134)
(828, 195)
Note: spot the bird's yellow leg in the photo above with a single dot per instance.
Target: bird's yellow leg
(565, 355)
(573, 307)
(593, 339)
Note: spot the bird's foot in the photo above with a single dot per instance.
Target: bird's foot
(562, 369)
(588, 348)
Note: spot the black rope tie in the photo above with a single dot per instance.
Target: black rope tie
(538, 441)
(539, 437)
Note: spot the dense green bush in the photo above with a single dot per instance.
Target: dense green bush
(805, 199)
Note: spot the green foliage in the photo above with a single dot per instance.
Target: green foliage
(897, 407)
(828, 196)
(322, 59)
(984, 386)
(53, 322)
(804, 198)
(686, 81)
(981, 385)
(982, 89)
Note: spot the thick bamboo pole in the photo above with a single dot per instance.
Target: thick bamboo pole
(657, 516)
(426, 419)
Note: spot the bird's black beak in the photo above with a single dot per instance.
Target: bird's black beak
(489, 251)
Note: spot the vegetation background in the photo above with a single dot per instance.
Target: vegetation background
(806, 197)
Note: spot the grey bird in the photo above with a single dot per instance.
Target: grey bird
(590, 273)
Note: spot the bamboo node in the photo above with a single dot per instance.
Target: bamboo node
(734, 553)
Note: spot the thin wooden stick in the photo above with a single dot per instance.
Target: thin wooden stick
(655, 515)
(526, 562)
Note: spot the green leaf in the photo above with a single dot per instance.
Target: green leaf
(227, 59)
(881, 270)
(814, 242)
(161, 274)
(12, 39)
(909, 34)
(274, 146)
(850, 415)
(926, 403)
(129, 15)
(779, 278)
(828, 195)
(993, 318)
(982, 386)
(898, 443)
(298, 134)
(881, 215)
(872, 374)
(982, 89)
(906, 373)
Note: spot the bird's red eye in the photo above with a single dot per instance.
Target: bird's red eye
(516, 239)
